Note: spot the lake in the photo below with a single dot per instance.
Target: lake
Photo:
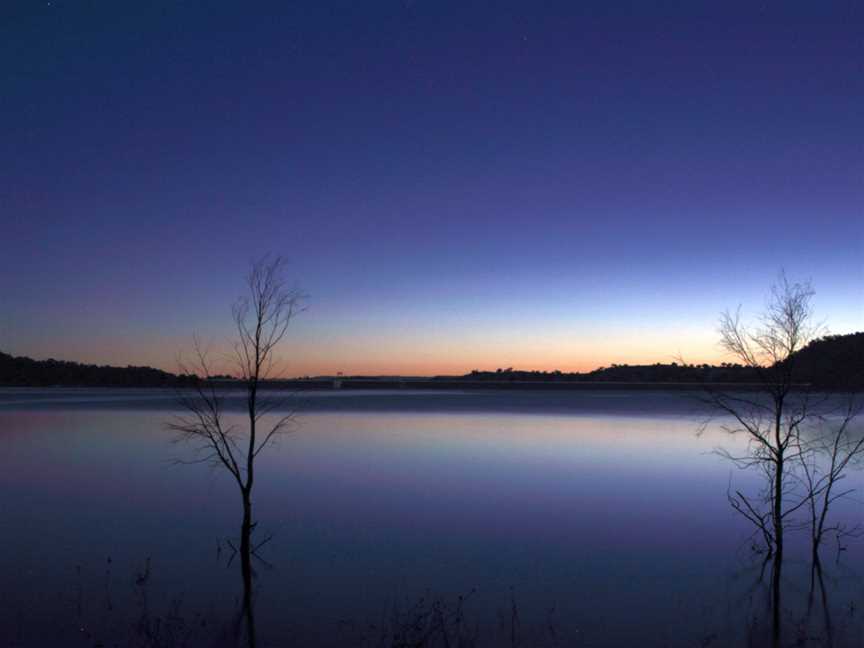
(561, 518)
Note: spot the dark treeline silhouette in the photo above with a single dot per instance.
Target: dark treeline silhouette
(831, 362)
(668, 373)
(26, 372)
(834, 361)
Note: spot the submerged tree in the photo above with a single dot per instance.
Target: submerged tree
(825, 457)
(770, 413)
(803, 442)
(261, 320)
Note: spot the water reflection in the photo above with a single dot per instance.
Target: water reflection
(590, 514)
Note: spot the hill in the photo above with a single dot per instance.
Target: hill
(831, 362)
(834, 361)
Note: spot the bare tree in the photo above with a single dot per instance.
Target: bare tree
(771, 414)
(261, 319)
(825, 456)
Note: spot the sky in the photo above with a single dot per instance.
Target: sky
(456, 185)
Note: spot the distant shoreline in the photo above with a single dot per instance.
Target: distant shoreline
(348, 384)
(830, 363)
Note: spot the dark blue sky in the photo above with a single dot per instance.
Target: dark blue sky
(456, 184)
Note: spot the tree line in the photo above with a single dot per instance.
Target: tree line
(829, 362)
(26, 372)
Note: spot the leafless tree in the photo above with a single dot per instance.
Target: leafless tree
(261, 320)
(771, 414)
(825, 456)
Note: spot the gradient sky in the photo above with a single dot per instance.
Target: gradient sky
(457, 185)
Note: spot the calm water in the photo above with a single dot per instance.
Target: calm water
(595, 519)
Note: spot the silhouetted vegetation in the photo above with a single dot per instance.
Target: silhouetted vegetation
(261, 320)
(660, 373)
(771, 421)
(789, 429)
(25, 372)
(833, 362)
(830, 362)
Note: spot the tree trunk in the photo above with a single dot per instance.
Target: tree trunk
(817, 540)
(775, 598)
(246, 567)
(778, 523)
(778, 506)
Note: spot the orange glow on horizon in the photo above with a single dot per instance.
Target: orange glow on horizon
(412, 358)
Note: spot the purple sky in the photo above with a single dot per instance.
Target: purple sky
(457, 185)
